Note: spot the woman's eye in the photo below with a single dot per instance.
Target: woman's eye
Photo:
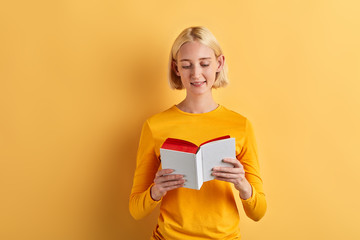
(205, 65)
(186, 67)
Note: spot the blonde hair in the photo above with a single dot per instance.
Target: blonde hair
(205, 37)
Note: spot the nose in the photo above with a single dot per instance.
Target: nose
(196, 72)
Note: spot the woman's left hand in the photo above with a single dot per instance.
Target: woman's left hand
(235, 175)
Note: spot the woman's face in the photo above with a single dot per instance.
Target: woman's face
(197, 66)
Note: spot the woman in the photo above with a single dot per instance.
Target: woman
(198, 65)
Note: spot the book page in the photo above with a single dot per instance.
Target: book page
(213, 153)
(183, 163)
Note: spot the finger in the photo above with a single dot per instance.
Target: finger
(236, 167)
(163, 172)
(173, 187)
(164, 187)
(172, 183)
(172, 177)
(234, 162)
(230, 180)
(227, 175)
(166, 178)
(228, 170)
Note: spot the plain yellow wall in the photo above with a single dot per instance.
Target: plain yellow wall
(78, 78)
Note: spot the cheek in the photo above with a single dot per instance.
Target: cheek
(210, 73)
(182, 72)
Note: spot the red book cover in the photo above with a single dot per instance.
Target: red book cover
(186, 146)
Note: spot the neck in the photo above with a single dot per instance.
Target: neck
(198, 104)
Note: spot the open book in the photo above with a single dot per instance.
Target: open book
(195, 162)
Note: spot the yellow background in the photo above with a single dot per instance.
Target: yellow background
(78, 78)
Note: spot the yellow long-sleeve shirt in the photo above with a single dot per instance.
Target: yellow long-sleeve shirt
(208, 213)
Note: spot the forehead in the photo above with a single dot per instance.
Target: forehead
(195, 50)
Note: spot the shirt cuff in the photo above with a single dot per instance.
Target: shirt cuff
(150, 200)
(250, 199)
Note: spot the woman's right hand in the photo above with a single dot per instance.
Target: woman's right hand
(164, 183)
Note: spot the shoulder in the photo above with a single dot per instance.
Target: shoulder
(240, 123)
(234, 116)
(162, 116)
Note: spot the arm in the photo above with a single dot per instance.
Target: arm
(147, 164)
(245, 175)
(150, 184)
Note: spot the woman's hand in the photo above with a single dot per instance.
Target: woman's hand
(164, 183)
(235, 175)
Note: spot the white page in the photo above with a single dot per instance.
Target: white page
(214, 152)
(183, 163)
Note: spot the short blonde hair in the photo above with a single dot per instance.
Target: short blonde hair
(204, 36)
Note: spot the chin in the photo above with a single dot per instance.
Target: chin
(199, 92)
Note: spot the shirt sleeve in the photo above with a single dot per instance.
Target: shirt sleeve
(255, 206)
(147, 164)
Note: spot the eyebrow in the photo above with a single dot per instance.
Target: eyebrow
(182, 60)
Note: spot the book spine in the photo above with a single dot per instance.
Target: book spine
(199, 169)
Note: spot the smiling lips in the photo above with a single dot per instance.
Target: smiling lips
(198, 84)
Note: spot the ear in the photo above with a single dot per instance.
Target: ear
(175, 68)
(221, 62)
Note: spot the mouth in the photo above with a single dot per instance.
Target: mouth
(198, 84)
